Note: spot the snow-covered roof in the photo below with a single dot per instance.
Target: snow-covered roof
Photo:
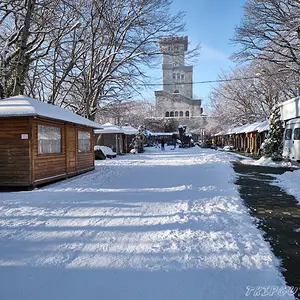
(220, 133)
(129, 130)
(264, 126)
(23, 106)
(162, 133)
(108, 128)
(259, 126)
(148, 133)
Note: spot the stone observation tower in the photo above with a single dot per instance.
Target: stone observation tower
(176, 98)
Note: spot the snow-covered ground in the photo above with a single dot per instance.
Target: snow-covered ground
(159, 225)
(290, 182)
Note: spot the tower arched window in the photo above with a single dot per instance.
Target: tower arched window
(181, 113)
(167, 114)
(172, 114)
(176, 92)
(187, 113)
(176, 113)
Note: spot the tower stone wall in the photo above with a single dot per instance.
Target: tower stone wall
(176, 98)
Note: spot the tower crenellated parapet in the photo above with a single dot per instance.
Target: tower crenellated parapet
(174, 40)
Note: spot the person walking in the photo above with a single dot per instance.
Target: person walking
(162, 144)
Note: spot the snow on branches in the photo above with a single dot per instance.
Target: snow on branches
(273, 144)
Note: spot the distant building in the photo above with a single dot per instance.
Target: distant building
(176, 98)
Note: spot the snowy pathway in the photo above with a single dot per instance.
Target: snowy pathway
(161, 226)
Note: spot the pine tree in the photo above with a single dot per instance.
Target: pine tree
(140, 139)
(273, 144)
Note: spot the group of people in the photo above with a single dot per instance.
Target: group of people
(162, 144)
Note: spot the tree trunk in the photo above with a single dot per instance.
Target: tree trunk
(22, 66)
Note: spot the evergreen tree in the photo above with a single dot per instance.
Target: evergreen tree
(140, 139)
(273, 144)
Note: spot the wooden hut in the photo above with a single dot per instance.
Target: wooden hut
(42, 142)
(111, 136)
(247, 138)
(129, 133)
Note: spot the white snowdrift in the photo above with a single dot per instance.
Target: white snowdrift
(289, 181)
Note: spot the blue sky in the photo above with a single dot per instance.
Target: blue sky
(210, 23)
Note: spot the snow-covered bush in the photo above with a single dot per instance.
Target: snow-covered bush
(273, 144)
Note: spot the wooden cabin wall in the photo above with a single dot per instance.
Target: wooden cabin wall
(69, 162)
(14, 151)
(85, 160)
(22, 165)
(47, 167)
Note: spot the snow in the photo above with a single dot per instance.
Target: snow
(157, 225)
(129, 130)
(259, 126)
(162, 133)
(110, 128)
(106, 150)
(289, 181)
(263, 126)
(268, 162)
(19, 106)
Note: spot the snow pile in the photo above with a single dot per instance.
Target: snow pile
(289, 181)
(267, 162)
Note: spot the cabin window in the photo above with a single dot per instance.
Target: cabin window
(297, 134)
(84, 141)
(288, 134)
(49, 139)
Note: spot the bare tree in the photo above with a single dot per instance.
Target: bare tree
(270, 31)
(249, 93)
(121, 112)
(123, 38)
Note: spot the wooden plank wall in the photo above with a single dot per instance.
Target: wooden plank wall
(14, 152)
(85, 160)
(22, 165)
(47, 165)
